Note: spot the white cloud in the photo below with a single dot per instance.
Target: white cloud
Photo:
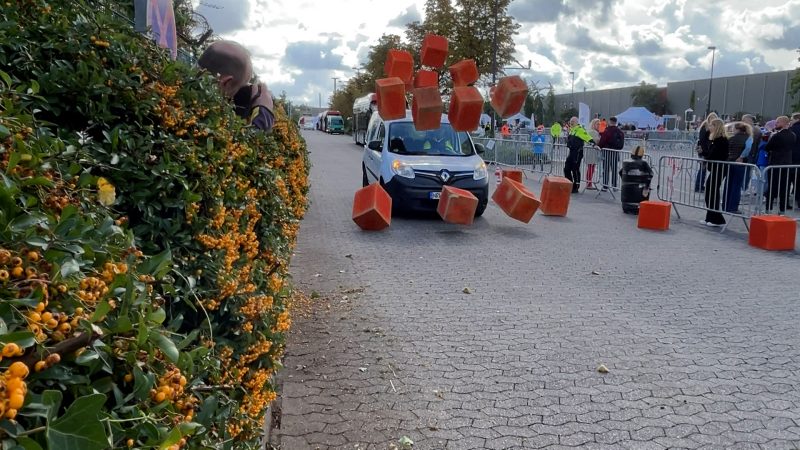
(298, 45)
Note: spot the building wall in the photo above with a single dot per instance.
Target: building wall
(766, 94)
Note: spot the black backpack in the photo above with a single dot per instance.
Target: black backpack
(618, 140)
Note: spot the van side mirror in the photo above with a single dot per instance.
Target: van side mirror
(375, 145)
(480, 149)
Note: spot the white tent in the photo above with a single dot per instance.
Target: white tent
(522, 119)
(485, 118)
(639, 116)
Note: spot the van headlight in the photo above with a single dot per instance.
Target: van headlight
(402, 169)
(480, 172)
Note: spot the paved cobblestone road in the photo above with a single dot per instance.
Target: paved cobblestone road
(699, 331)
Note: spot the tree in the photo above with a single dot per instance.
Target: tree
(376, 58)
(550, 109)
(534, 104)
(469, 27)
(650, 97)
(568, 114)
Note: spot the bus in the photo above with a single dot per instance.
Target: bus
(324, 119)
(363, 108)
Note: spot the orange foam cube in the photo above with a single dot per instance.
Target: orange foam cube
(400, 64)
(434, 50)
(457, 206)
(466, 106)
(555, 197)
(514, 174)
(654, 215)
(426, 78)
(372, 208)
(464, 72)
(391, 98)
(509, 96)
(426, 108)
(516, 200)
(773, 232)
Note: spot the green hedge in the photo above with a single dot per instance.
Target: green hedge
(145, 234)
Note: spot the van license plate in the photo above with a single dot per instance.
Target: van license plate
(436, 195)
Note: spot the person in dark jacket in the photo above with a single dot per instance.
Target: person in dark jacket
(779, 148)
(637, 174)
(703, 142)
(739, 149)
(795, 128)
(611, 138)
(717, 151)
(577, 137)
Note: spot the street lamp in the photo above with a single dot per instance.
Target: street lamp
(572, 96)
(710, 79)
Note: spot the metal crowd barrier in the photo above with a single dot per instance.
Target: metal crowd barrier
(779, 191)
(659, 147)
(723, 187)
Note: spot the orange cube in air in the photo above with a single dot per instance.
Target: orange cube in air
(466, 106)
(391, 98)
(457, 206)
(514, 174)
(372, 208)
(516, 200)
(400, 64)
(654, 215)
(556, 192)
(426, 108)
(464, 72)
(509, 96)
(426, 78)
(773, 232)
(434, 51)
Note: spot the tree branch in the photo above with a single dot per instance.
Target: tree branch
(63, 348)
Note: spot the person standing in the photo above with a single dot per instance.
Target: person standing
(779, 148)
(795, 128)
(703, 143)
(753, 157)
(614, 139)
(717, 151)
(591, 153)
(739, 149)
(538, 140)
(575, 141)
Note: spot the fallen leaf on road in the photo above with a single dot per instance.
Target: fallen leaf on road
(406, 442)
(348, 255)
(467, 290)
(362, 369)
(602, 368)
(341, 271)
(594, 272)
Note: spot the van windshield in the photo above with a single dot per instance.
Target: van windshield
(335, 120)
(404, 139)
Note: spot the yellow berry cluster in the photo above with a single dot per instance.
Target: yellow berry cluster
(92, 289)
(13, 388)
(99, 42)
(47, 363)
(111, 270)
(171, 388)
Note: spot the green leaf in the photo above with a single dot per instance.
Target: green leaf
(69, 267)
(22, 338)
(6, 78)
(166, 345)
(157, 316)
(51, 401)
(101, 311)
(79, 428)
(25, 222)
(28, 443)
(158, 265)
(4, 131)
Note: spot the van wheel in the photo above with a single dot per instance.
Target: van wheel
(481, 208)
(364, 179)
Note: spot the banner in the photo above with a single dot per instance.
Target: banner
(158, 16)
(584, 114)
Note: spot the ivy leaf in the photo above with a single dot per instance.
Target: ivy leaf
(79, 428)
(166, 345)
(69, 267)
(28, 443)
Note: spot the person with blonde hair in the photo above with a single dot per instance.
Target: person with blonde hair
(702, 148)
(717, 151)
(591, 153)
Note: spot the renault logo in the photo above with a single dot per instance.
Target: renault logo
(445, 175)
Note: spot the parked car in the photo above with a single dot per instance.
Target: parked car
(413, 166)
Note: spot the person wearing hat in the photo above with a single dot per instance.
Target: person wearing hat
(538, 140)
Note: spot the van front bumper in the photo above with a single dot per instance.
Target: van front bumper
(415, 194)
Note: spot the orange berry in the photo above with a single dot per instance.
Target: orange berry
(16, 261)
(4, 275)
(17, 272)
(33, 256)
(128, 377)
(130, 443)
(40, 366)
(53, 358)
(47, 316)
(160, 397)
(11, 414)
(10, 350)
(18, 369)
(16, 400)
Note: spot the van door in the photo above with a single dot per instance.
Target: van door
(374, 157)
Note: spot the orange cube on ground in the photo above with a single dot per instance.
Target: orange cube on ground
(434, 51)
(509, 96)
(516, 200)
(400, 64)
(654, 215)
(556, 192)
(464, 72)
(457, 206)
(372, 208)
(773, 232)
(466, 106)
(391, 98)
(426, 108)
(426, 78)
(514, 174)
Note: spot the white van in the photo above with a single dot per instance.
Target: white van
(413, 166)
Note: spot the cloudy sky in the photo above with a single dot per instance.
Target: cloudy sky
(299, 45)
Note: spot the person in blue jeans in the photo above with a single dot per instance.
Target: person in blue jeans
(739, 146)
(538, 140)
